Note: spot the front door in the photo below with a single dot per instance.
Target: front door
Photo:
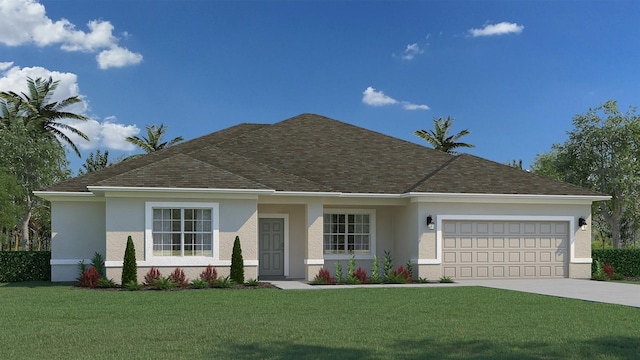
(271, 244)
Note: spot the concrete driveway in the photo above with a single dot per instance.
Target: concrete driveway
(599, 291)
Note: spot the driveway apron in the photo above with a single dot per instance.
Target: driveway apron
(589, 290)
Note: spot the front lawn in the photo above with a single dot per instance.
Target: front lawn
(62, 322)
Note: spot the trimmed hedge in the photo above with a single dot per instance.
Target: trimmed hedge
(25, 266)
(626, 262)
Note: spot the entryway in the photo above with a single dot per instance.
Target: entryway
(271, 251)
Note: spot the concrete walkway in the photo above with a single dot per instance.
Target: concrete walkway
(598, 291)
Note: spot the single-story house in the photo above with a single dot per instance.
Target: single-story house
(308, 191)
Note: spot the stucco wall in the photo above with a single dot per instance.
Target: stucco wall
(77, 232)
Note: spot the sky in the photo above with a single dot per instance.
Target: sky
(514, 73)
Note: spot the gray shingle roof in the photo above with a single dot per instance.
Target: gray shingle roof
(313, 153)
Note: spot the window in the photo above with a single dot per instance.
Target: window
(184, 230)
(347, 232)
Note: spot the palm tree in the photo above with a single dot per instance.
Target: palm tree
(95, 162)
(153, 140)
(439, 138)
(43, 116)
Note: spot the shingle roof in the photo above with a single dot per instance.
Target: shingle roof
(313, 153)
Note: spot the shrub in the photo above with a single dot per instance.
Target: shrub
(106, 283)
(410, 268)
(375, 275)
(224, 282)
(132, 286)
(352, 265)
(25, 266)
(209, 275)
(361, 275)
(179, 278)
(237, 263)
(422, 280)
(387, 267)
(399, 276)
(89, 278)
(152, 276)
(625, 261)
(338, 267)
(97, 261)
(609, 271)
(129, 266)
(599, 273)
(199, 283)
(446, 280)
(323, 278)
(164, 283)
(252, 282)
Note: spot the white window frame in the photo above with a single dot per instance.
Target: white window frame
(151, 260)
(372, 232)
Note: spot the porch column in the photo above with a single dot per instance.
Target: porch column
(313, 251)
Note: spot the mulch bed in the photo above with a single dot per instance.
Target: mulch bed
(261, 285)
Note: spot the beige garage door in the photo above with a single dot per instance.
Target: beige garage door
(504, 249)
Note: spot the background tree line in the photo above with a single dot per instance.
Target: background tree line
(33, 157)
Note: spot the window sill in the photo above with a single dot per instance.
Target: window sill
(347, 257)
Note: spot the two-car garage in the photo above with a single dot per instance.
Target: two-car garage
(477, 249)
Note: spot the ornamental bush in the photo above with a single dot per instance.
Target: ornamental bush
(152, 276)
(129, 266)
(178, 277)
(25, 266)
(323, 278)
(625, 261)
(89, 278)
(237, 263)
(210, 274)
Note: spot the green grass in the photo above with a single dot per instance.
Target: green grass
(62, 322)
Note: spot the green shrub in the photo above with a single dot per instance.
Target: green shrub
(164, 283)
(375, 274)
(132, 286)
(129, 266)
(97, 261)
(387, 267)
(410, 268)
(25, 266)
(252, 282)
(422, 280)
(199, 283)
(625, 261)
(338, 266)
(599, 273)
(105, 283)
(224, 282)
(237, 263)
(446, 280)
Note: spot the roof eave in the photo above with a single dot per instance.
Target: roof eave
(504, 198)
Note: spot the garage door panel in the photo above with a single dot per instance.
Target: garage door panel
(502, 249)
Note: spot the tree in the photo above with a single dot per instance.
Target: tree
(601, 153)
(237, 263)
(129, 265)
(40, 115)
(36, 163)
(31, 141)
(153, 141)
(515, 164)
(95, 162)
(439, 137)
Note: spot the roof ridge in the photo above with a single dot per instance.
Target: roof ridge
(432, 173)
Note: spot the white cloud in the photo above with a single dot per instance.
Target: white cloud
(24, 22)
(106, 134)
(411, 106)
(103, 134)
(117, 57)
(5, 65)
(378, 98)
(411, 51)
(502, 28)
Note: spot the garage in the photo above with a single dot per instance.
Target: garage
(505, 249)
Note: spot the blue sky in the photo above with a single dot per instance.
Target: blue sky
(512, 72)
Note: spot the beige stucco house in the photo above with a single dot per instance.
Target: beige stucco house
(308, 191)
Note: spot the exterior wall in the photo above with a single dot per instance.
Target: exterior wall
(580, 248)
(77, 232)
(126, 217)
